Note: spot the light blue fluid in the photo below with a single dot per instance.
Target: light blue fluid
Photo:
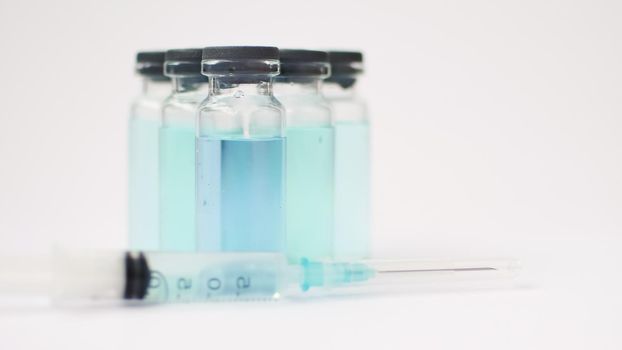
(310, 176)
(177, 189)
(352, 190)
(240, 194)
(143, 184)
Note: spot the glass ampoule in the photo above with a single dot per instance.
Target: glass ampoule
(177, 149)
(240, 153)
(144, 123)
(352, 155)
(310, 153)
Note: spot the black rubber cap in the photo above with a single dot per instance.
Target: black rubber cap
(344, 67)
(241, 53)
(137, 276)
(303, 56)
(345, 56)
(183, 62)
(304, 63)
(150, 63)
(183, 55)
(238, 63)
(155, 57)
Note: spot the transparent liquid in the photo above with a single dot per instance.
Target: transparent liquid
(177, 189)
(240, 194)
(143, 184)
(310, 210)
(352, 192)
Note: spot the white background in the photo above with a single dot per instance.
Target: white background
(497, 132)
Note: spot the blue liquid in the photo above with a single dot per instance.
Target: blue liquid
(240, 194)
(177, 189)
(310, 176)
(143, 184)
(352, 192)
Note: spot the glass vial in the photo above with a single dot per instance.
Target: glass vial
(143, 127)
(352, 156)
(177, 149)
(310, 153)
(240, 153)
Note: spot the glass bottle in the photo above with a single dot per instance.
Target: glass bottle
(143, 127)
(177, 149)
(240, 152)
(310, 153)
(352, 156)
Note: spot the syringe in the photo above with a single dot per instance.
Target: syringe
(160, 277)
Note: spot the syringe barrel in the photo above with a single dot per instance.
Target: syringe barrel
(156, 277)
(188, 277)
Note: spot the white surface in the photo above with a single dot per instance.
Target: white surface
(496, 133)
(562, 302)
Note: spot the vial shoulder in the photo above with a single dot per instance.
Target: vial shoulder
(145, 109)
(306, 110)
(179, 112)
(349, 110)
(247, 118)
(247, 106)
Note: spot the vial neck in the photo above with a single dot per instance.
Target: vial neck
(334, 90)
(297, 87)
(226, 86)
(189, 84)
(156, 88)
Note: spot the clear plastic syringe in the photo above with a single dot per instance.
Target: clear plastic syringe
(161, 277)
